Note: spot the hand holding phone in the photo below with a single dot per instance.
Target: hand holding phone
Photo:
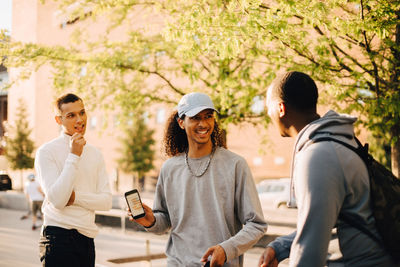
(135, 204)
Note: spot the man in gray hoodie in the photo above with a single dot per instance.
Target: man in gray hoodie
(328, 179)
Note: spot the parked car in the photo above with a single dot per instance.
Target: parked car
(274, 193)
(5, 182)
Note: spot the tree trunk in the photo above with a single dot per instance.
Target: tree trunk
(135, 181)
(116, 180)
(21, 179)
(395, 157)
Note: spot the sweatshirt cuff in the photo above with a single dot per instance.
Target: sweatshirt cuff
(281, 252)
(153, 227)
(230, 250)
(72, 158)
(150, 226)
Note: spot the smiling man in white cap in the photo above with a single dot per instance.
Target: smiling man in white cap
(205, 194)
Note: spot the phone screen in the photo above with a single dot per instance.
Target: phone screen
(135, 204)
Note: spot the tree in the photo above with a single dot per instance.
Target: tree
(115, 73)
(231, 50)
(137, 151)
(353, 47)
(19, 146)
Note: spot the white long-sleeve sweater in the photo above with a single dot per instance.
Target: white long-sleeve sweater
(61, 172)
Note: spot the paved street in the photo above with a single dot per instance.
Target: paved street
(18, 244)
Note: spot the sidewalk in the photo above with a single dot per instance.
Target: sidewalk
(19, 244)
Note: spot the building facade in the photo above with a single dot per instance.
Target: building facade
(40, 23)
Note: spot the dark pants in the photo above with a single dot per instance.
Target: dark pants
(61, 247)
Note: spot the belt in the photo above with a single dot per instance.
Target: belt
(55, 230)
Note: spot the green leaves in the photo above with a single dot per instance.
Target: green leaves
(228, 49)
(137, 152)
(19, 146)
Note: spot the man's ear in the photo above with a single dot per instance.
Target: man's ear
(281, 109)
(180, 122)
(58, 119)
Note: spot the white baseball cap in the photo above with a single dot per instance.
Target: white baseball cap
(193, 103)
(31, 177)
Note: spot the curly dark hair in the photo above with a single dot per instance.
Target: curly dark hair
(175, 139)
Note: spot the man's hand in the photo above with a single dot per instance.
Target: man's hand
(71, 199)
(147, 220)
(268, 258)
(218, 256)
(77, 143)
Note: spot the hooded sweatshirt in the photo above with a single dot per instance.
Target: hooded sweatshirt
(329, 179)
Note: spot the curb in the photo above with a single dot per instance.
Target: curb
(15, 200)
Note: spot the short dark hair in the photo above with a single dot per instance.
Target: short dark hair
(67, 98)
(297, 90)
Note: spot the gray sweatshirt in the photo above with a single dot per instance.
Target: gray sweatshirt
(330, 179)
(221, 207)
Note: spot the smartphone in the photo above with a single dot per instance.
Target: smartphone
(135, 204)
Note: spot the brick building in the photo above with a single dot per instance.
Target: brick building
(35, 22)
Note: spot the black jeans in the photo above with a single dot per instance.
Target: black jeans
(61, 247)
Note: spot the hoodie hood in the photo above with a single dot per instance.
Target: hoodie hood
(339, 126)
(332, 124)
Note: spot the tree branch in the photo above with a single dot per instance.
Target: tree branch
(176, 89)
(352, 59)
(241, 61)
(369, 51)
(396, 54)
(203, 65)
(122, 66)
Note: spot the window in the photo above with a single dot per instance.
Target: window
(258, 105)
(116, 121)
(93, 122)
(160, 117)
(257, 161)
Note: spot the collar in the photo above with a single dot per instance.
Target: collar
(65, 137)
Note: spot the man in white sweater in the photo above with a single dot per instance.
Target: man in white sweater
(73, 177)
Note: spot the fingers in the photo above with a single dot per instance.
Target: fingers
(146, 221)
(268, 258)
(71, 199)
(208, 253)
(146, 208)
(218, 256)
(78, 138)
(77, 143)
(261, 261)
(274, 263)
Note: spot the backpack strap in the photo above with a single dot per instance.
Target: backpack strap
(362, 152)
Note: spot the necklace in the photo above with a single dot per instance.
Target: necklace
(207, 165)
